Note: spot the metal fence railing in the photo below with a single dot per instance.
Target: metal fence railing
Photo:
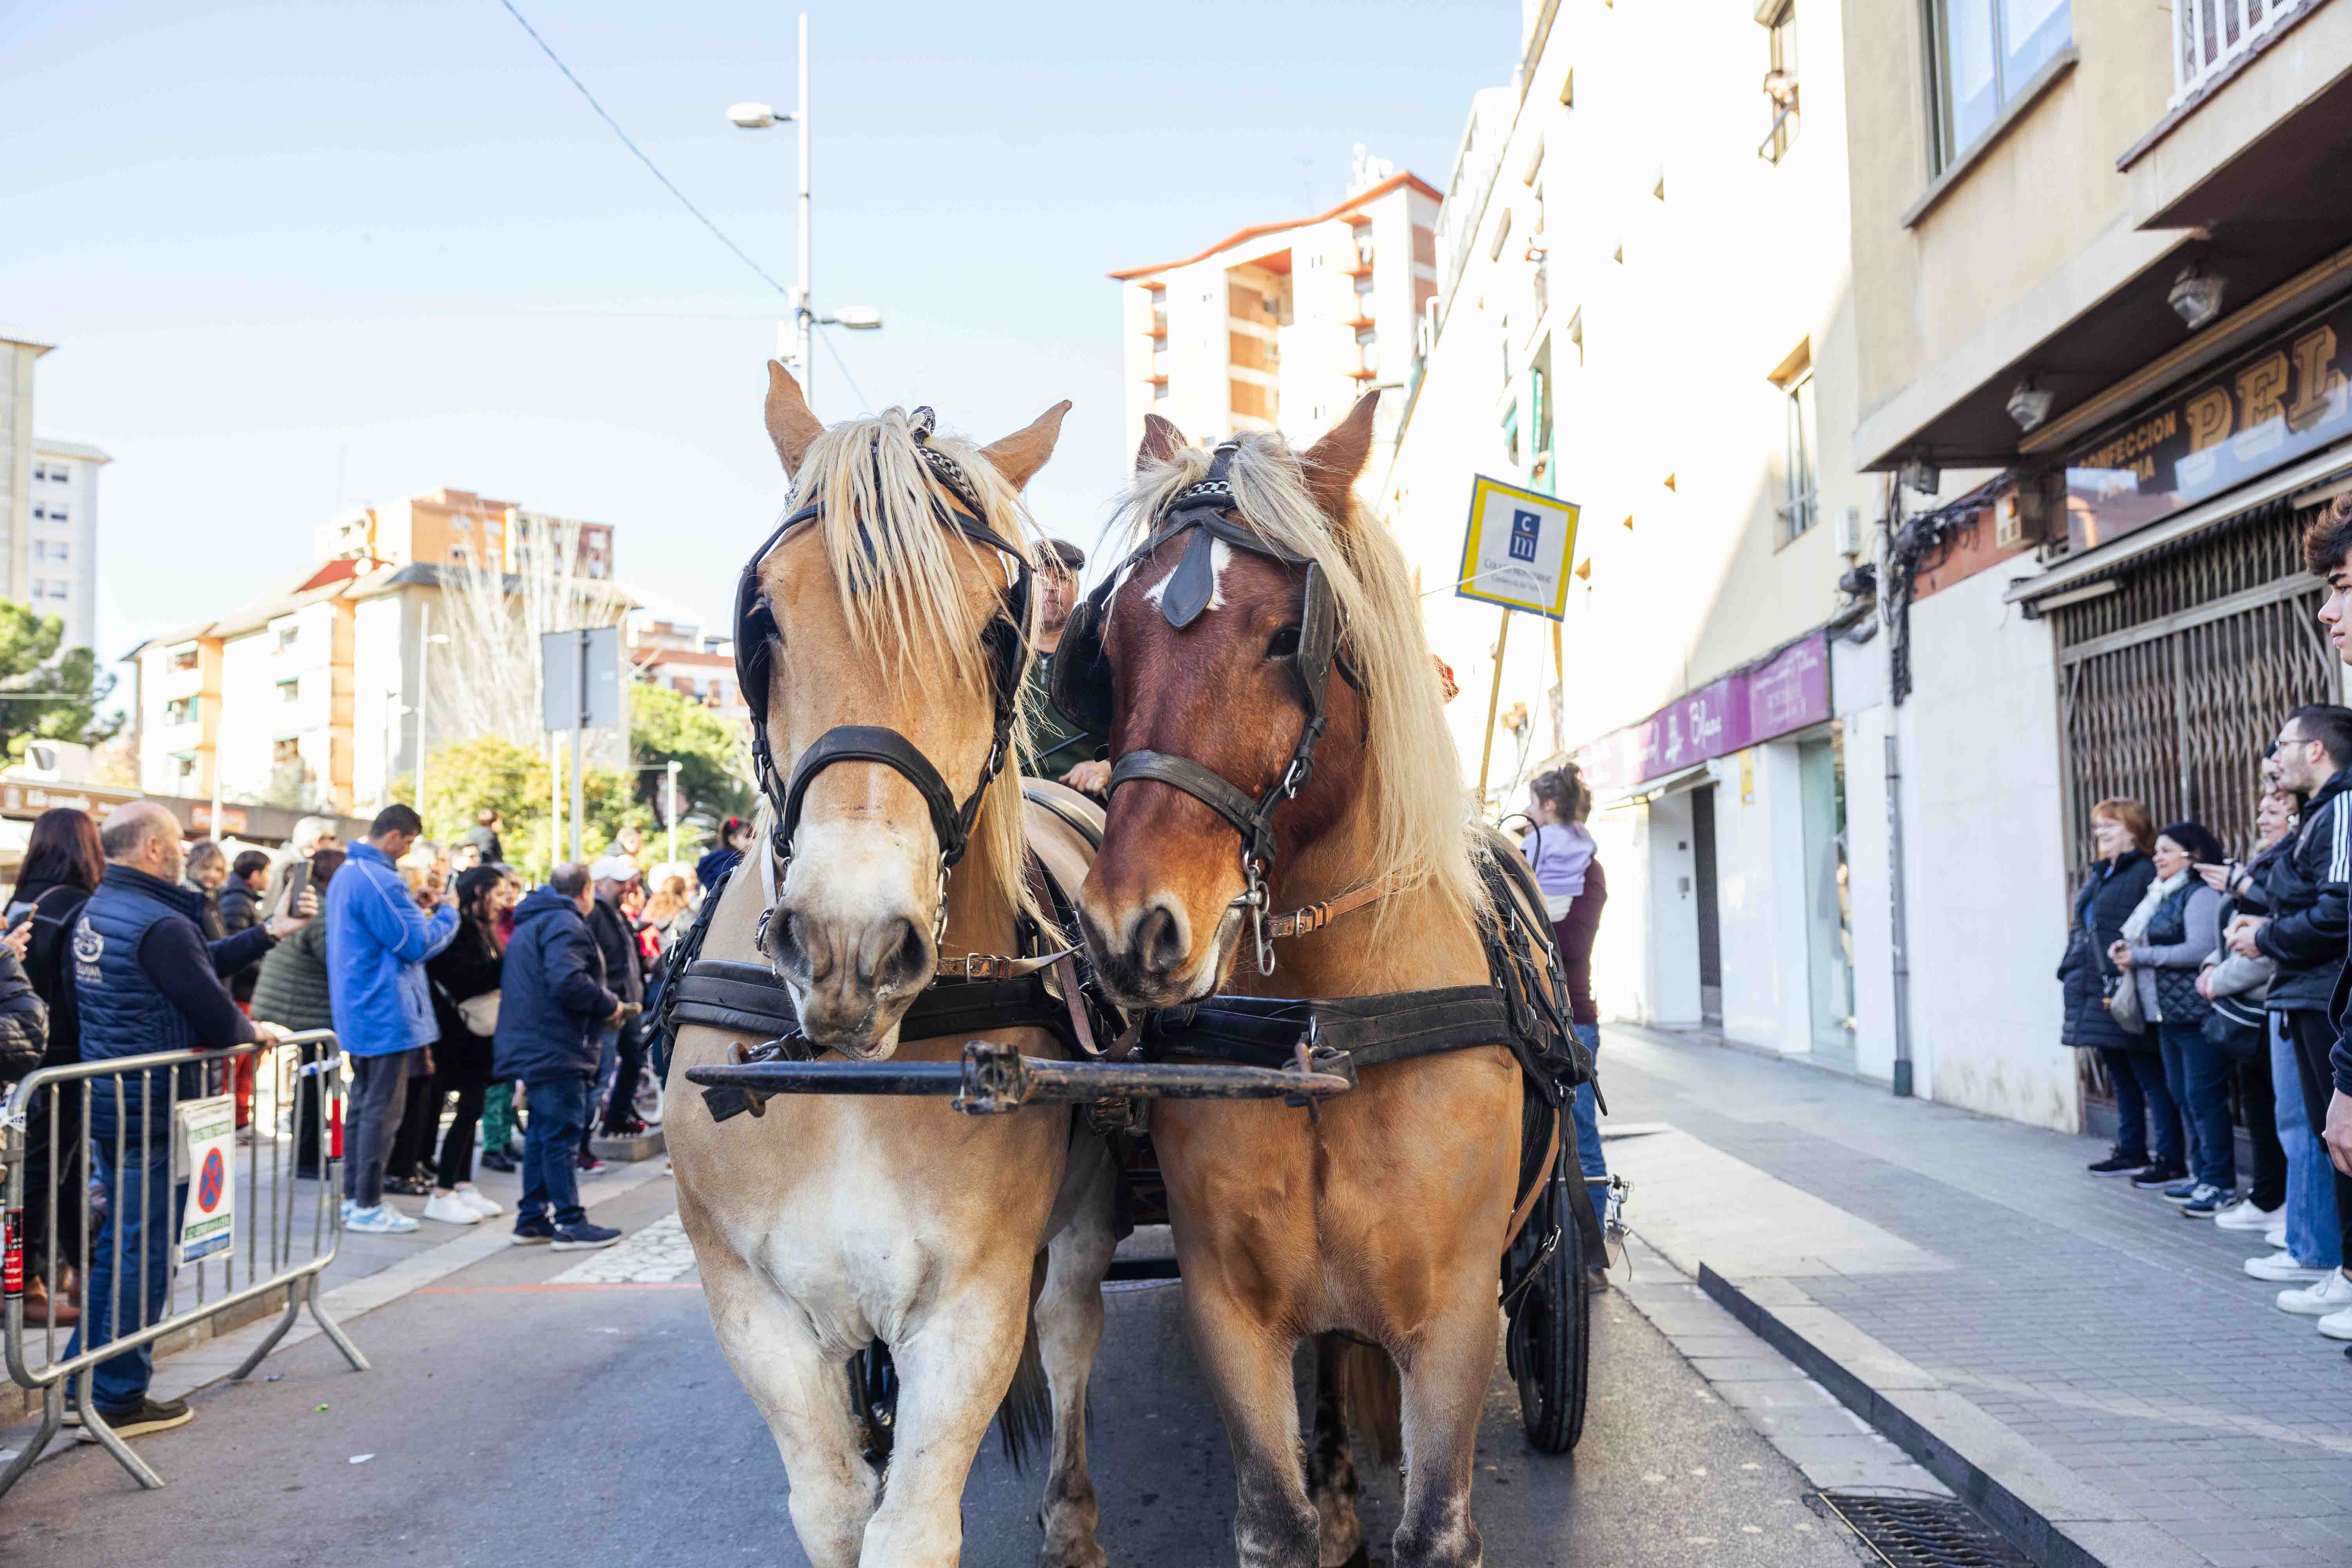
(2211, 36)
(134, 1176)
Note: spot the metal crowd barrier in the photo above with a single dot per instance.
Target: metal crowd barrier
(215, 1257)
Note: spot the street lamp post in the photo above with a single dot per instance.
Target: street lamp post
(856, 318)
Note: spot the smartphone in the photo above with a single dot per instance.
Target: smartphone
(630, 1010)
(297, 881)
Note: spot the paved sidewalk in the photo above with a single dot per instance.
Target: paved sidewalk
(2107, 1362)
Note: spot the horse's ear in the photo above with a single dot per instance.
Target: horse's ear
(1161, 442)
(1020, 454)
(790, 425)
(1333, 463)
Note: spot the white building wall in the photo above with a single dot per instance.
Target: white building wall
(1985, 864)
(64, 538)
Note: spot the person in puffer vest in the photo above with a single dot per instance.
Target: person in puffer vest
(145, 980)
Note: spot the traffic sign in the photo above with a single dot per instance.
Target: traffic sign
(1515, 548)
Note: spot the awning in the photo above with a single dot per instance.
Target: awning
(1662, 785)
(2313, 471)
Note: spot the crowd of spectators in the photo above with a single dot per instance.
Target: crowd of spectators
(479, 1017)
(2201, 981)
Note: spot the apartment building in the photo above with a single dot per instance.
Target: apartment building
(1283, 325)
(1642, 309)
(2102, 274)
(64, 537)
(457, 528)
(683, 658)
(17, 358)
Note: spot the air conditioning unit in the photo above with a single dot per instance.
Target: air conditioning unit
(1849, 532)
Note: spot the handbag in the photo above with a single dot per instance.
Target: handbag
(2123, 1006)
(2237, 1030)
(480, 1013)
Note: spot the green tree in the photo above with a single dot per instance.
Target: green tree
(713, 772)
(491, 771)
(70, 684)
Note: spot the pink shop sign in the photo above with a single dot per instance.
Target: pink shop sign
(1788, 691)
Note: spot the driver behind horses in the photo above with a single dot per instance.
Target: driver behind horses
(1062, 748)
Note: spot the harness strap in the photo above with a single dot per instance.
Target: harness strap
(1236, 805)
(870, 743)
(1315, 917)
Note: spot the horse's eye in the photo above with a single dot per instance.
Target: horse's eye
(1285, 644)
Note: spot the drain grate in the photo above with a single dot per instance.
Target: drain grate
(1914, 1530)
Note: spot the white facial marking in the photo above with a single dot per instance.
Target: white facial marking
(1220, 555)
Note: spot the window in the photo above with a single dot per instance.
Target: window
(284, 750)
(287, 636)
(1780, 84)
(184, 768)
(290, 690)
(183, 710)
(39, 512)
(40, 473)
(1801, 507)
(61, 472)
(56, 512)
(183, 658)
(1511, 436)
(1985, 52)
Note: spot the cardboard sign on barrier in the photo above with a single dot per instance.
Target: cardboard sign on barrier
(208, 1163)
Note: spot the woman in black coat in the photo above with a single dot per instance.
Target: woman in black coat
(466, 969)
(62, 865)
(2121, 834)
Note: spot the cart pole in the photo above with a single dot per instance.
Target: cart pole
(1494, 703)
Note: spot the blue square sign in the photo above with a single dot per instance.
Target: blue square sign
(1525, 526)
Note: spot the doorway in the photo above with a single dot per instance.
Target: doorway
(1710, 923)
(1828, 910)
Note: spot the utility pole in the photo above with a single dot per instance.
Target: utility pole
(424, 655)
(672, 770)
(578, 739)
(803, 315)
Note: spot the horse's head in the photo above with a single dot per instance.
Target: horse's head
(1227, 645)
(883, 638)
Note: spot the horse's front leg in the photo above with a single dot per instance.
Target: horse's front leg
(1069, 1333)
(1248, 1363)
(956, 1359)
(1445, 1375)
(801, 1388)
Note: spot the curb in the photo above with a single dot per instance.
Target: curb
(2039, 1505)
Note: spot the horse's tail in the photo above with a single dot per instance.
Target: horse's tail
(1374, 1396)
(1026, 1416)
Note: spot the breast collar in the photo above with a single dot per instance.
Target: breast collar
(1005, 640)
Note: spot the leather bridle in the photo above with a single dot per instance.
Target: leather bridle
(1005, 640)
(1082, 687)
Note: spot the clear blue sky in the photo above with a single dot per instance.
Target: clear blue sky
(294, 254)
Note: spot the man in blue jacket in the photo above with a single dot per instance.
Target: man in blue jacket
(553, 1008)
(144, 981)
(378, 938)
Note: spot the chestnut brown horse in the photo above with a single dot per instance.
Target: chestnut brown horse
(828, 1221)
(1384, 1219)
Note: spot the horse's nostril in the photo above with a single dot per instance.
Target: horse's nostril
(786, 950)
(1160, 942)
(906, 963)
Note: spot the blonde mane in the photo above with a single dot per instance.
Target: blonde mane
(1422, 837)
(895, 572)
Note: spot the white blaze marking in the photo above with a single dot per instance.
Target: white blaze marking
(1220, 555)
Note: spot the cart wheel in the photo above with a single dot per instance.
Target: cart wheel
(1550, 1338)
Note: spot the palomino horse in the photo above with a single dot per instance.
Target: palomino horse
(1385, 1218)
(824, 1224)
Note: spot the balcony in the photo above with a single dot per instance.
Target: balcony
(2210, 37)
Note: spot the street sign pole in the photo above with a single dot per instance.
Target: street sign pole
(1494, 703)
(578, 735)
(672, 770)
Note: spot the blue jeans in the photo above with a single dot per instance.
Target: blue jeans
(2142, 1095)
(2197, 1074)
(2311, 1230)
(1587, 1119)
(551, 1152)
(133, 1193)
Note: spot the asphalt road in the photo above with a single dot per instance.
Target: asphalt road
(510, 1423)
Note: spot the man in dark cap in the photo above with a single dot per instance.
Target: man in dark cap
(1063, 749)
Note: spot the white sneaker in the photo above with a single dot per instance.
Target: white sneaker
(481, 1203)
(451, 1209)
(2243, 1216)
(2338, 1325)
(2329, 1296)
(2280, 1266)
(2277, 1234)
(350, 1208)
(386, 1220)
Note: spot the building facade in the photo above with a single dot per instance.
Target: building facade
(1643, 309)
(63, 537)
(684, 659)
(2110, 421)
(1285, 324)
(457, 528)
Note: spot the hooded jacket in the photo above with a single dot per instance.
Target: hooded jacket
(2305, 890)
(552, 1001)
(377, 942)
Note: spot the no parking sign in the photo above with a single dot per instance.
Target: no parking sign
(207, 1161)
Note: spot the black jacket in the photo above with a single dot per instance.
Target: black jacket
(484, 837)
(24, 1021)
(468, 967)
(552, 1002)
(2304, 893)
(2108, 896)
(240, 909)
(55, 907)
(617, 943)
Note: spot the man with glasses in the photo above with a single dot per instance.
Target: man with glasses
(1061, 748)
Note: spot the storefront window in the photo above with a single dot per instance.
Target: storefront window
(1829, 897)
